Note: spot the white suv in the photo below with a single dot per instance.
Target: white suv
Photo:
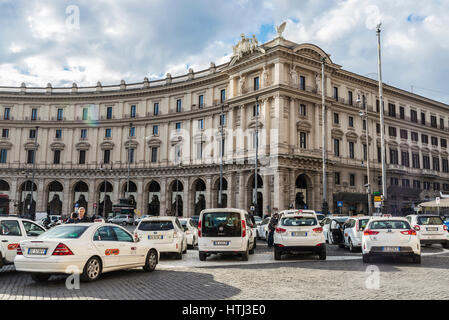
(166, 234)
(297, 232)
(353, 231)
(430, 228)
(12, 231)
(225, 231)
(390, 237)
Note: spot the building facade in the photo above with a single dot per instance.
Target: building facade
(167, 135)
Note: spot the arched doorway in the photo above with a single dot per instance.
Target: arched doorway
(55, 198)
(199, 192)
(81, 195)
(26, 206)
(154, 198)
(176, 200)
(105, 193)
(4, 197)
(131, 193)
(253, 193)
(301, 194)
(224, 196)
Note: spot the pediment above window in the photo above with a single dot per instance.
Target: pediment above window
(404, 146)
(352, 136)
(393, 143)
(252, 124)
(131, 144)
(337, 133)
(154, 142)
(302, 125)
(175, 139)
(30, 146)
(5, 145)
(57, 146)
(363, 138)
(82, 146)
(107, 145)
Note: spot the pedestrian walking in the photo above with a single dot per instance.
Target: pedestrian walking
(271, 228)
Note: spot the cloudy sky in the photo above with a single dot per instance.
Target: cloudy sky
(41, 40)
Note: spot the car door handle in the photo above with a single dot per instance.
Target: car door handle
(4, 240)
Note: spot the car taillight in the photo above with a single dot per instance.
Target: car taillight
(19, 250)
(280, 230)
(410, 232)
(370, 232)
(417, 228)
(62, 250)
(319, 230)
(199, 229)
(243, 229)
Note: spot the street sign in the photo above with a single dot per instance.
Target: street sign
(339, 204)
(252, 208)
(377, 199)
(377, 204)
(77, 205)
(376, 193)
(437, 200)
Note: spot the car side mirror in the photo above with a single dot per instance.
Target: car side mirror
(322, 223)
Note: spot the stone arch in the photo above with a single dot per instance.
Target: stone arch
(54, 197)
(251, 191)
(132, 190)
(303, 192)
(198, 196)
(153, 198)
(216, 190)
(4, 199)
(176, 188)
(80, 191)
(104, 199)
(26, 206)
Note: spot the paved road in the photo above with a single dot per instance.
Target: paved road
(342, 276)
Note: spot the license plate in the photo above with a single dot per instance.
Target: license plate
(37, 252)
(391, 249)
(221, 243)
(299, 234)
(432, 229)
(156, 237)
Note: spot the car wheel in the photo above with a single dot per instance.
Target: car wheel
(202, 256)
(92, 270)
(246, 253)
(366, 258)
(322, 254)
(445, 245)
(417, 258)
(277, 254)
(150, 261)
(40, 277)
(351, 246)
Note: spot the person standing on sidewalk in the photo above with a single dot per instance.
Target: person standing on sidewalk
(271, 228)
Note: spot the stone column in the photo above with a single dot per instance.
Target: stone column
(14, 195)
(116, 191)
(279, 197)
(40, 206)
(91, 198)
(67, 200)
(241, 191)
(266, 194)
(140, 197)
(292, 186)
(164, 196)
(230, 192)
(317, 191)
(187, 207)
(209, 193)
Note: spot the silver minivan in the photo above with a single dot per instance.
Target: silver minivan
(226, 231)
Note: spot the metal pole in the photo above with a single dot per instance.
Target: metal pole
(104, 196)
(23, 201)
(324, 142)
(257, 151)
(365, 107)
(129, 162)
(220, 192)
(382, 125)
(34, 170)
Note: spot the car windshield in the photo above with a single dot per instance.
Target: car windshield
(157, 225)
(363, 223)
(64, 232)
(221, 224)
(298, 221)
(425, 221)
(389, 224)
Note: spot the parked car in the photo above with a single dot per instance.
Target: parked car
(122, 219)
(164, 233)
(12, 231)
(337, 230)
(299, 232)
(191, 232)
(430, 229)
(353, 232)
(90, 248)
(225, 230)
(391, 236)
(137, 220)
(258, 220)
(262, 229)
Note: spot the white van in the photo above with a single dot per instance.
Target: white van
(225, 230)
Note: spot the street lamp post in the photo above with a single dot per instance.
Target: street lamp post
(25, 173)
(325, 207)
(364, 115)
(34, 172)
(257, 152)
(129, 161)
(382, 124)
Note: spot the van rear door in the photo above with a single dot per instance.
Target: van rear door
(222, 229)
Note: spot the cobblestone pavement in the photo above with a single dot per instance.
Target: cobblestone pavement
(341, 276)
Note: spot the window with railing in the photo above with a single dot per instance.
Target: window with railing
(445, 165)
(423, 118)
(337, 147)
(335, 93)
(443, 143)
(352, 180)
(350, 98)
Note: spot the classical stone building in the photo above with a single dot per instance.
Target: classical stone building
(170, 131)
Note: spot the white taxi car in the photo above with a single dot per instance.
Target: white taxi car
(226, 231)
(353, 232)
(191, 232)
(299, 232)
(12, 231)
(164, 232)
(390, 237)
(88, 249)
(262, 229)
(430, 229)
